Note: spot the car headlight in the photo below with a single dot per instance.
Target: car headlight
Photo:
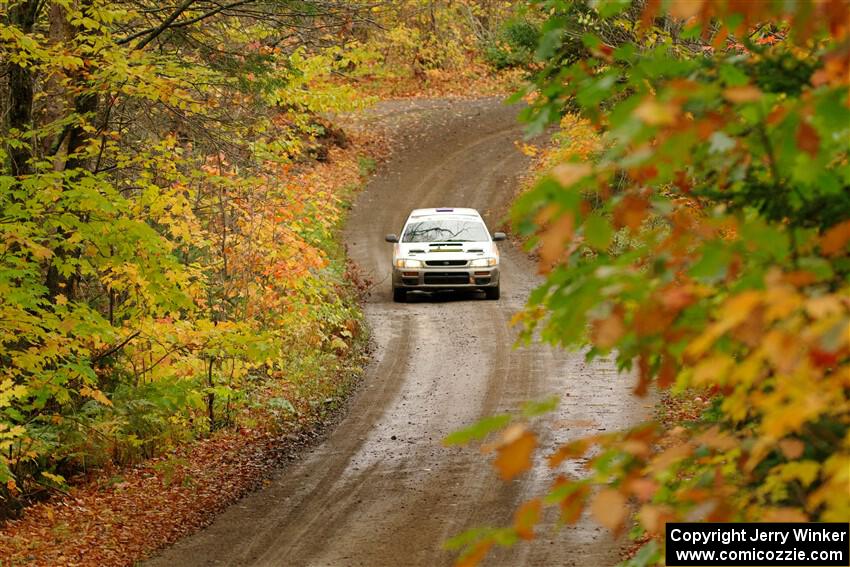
(483, 262)
(407, 263)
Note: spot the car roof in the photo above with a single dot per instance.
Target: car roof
(445, 211)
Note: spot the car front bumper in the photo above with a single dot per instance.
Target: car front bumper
(445, 278)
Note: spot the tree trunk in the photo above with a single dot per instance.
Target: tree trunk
(72, 139)
(21, 15)
(211, 396)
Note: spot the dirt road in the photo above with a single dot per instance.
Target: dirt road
(382, 490)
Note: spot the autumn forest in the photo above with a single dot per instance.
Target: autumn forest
(188, 302)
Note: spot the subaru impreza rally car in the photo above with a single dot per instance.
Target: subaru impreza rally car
(445, 248)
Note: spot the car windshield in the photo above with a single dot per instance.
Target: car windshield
(445, 230)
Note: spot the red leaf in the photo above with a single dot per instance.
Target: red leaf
(630, 212)
(808, 139)
(822, 358)
(667, 372)
(835, 239)
(644, 376)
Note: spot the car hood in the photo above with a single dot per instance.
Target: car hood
(445, 251)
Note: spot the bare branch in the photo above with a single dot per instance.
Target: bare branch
(155, 32)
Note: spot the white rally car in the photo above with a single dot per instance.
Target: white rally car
(445, 249)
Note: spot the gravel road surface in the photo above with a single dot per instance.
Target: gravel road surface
(381, 490)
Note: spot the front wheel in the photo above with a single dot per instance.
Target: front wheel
(399, 295)
(492, 292)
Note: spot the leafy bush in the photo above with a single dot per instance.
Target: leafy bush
(514, 45)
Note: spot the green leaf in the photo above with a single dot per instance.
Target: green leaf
(598, 231)
(714, 260)
(771, 241)
(591, 41)
(648, 554)
(732, 75)
(608, 8)
(540, 407)
(478, 430)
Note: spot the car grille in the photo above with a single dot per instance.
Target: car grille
(447, 278)
(445, 262)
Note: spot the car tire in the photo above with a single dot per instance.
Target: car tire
(492, 292)
(399, 295)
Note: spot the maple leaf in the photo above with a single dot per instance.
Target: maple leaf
(553, 240)
(526, 517)
(514, 451)
(643, 488)
(792, 448)
(834, 240)
(654, 517)
(685, 9)
(609, 508)
(808, 139)
(476, 555)
(742, 94)
(716, 439)
(568, 173)
(608, 331)
(95, 394)
(667, 372)
(570, 450)
(656, 113)
(631, 212)
(573, 505)
(644, 376)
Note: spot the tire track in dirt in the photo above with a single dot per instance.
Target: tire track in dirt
(382, 490)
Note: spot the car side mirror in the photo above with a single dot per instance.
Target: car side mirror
(391, 238)
(499, 236)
